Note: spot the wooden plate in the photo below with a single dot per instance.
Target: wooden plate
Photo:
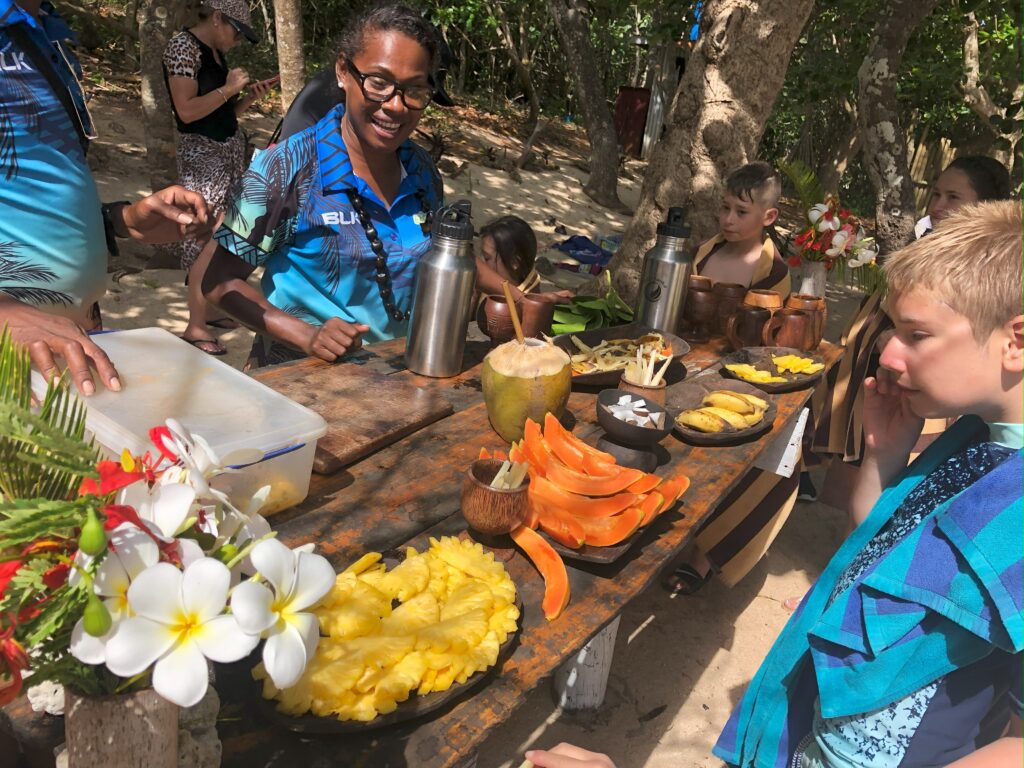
(631, 331)
(761, 357)
(412, 708)
(689, 394)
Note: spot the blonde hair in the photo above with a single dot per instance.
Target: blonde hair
(972, 261)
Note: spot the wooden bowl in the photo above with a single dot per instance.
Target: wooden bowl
(492, 511)
(655, 394)
(760, 297)
(630, 434)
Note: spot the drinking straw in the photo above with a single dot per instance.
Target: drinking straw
(512, 310)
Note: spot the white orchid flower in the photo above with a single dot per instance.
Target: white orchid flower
(179, 623)
(821, 215)
(164, 508)
(862, 258)
(131, 552)
(299, 580)
(839, 242)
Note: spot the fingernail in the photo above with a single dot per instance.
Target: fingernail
(115, 384)
(184, 218)
(88, 388)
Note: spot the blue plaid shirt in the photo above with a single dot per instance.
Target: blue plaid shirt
(294, 216)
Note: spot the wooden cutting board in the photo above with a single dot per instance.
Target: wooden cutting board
(364, 410)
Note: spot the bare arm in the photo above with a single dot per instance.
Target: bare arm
(1007, 752)
(224, 284)
(191, 107)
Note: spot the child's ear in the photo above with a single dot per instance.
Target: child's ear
(770, 215)
(1013, 349)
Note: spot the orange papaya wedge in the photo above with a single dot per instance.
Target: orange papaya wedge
(591, 485)
(560, 526)
(516, 453)
(609, 531)
(645, 484)
(651, 506)
(484, 454)
(553, 424)
(555, 437)
(672, 490)
(547, 492)
(551, 567)
(592, 465)
(535, 447)
(532, 512)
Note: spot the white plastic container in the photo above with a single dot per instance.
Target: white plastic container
(164, 377)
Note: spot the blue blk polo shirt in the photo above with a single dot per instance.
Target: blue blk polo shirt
(53, 252)
(293, 215)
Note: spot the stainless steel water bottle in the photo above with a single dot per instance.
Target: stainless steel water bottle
(441, 304)
(666, 275)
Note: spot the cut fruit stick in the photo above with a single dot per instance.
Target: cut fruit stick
(516, 475)
(661, 371)
(591, 485)
(499, 479)
(563, 528)
(582, 506)
(609, 531)
(645, 484)
(651, 506)
(551, 567)
(672, 490)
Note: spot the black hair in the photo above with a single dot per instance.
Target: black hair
(515, 244)
(389, 17)
(756, 182)
(989, 178)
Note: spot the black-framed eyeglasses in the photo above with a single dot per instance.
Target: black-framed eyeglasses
(379, 89)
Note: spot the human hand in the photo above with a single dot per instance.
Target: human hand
(237, 79)
(48, 337)
(568, 756)
(334, 338)
(172, 214)
(890, 427)
(555, 297)
(260, 89)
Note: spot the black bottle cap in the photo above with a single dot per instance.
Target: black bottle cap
(675, 225)
(455, 221)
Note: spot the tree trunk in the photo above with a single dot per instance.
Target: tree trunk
(721, 105)
(160, 21)
(574, 33)
(840, 149)
(291, 62)
(520, 63)
(885, 144)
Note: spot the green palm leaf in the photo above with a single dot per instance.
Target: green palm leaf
(805, 183)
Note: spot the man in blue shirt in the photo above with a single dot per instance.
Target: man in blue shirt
(54, 233)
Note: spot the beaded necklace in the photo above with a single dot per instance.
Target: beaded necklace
(383, 276)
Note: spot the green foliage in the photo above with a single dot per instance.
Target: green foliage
(805, 182)
(584, 313)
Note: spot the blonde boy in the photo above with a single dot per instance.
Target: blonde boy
(741, 252)
(908, 650)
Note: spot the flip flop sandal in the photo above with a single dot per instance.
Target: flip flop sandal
(211, 347)
(686, 580)
(224, 323)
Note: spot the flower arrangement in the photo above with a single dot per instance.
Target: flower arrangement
(116, 575)
(834, 235)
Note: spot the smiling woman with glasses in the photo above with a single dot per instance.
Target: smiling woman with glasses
(339, 214)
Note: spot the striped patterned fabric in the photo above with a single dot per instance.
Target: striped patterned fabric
(770, 274)
(946, 596)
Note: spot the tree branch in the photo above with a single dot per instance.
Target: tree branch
(975, 93)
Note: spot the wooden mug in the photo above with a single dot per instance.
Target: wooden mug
(759, 297)
(536, 314)
(730, 296)
(789, 328)
(700, 312)
(746, 327)
(813, 306)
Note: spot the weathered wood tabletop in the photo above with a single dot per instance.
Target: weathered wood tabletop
(410, 491)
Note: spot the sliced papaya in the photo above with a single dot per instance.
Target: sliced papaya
(551, 567)
(672, 490)
(553, 424)
(593, 465)
(581, 506)
(609, 531)
(560, 526)
(516, 453)
(555, 437)
(532, 512)
(535, 447)
(591, 485)
(484, 454)
(651, 506)
(645, 484)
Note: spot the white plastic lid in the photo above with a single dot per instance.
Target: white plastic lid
(165, 377)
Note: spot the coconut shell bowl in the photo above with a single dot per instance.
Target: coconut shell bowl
(624, 433)
(492, 511)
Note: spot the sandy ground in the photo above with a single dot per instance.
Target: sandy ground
(680, 664)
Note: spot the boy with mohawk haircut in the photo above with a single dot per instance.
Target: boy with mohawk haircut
(742, 252)
(908, 649)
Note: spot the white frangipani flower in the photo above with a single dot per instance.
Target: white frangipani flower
(839, 242)
(299, 580)
(131, 552)
(821, 216)
(179, 623)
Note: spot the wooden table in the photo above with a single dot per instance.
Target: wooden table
(408, 492)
